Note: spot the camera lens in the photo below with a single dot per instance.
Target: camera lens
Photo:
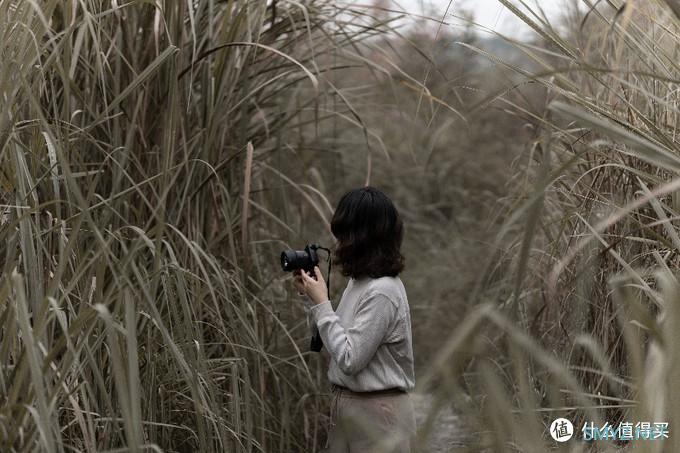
(285, 262)
(298, 259)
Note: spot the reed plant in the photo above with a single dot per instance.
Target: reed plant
(576, 314)
(143, 155)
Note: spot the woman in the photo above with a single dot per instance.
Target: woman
(368, 336)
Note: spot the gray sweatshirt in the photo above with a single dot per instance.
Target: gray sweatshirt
(368, 336)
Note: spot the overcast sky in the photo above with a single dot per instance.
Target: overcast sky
(490, 13)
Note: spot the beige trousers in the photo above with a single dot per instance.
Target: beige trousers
(365, 423)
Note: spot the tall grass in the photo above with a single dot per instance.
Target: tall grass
(585, 324)
(142, 155)
(148, 161)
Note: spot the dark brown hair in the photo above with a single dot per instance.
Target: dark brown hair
(369, 231)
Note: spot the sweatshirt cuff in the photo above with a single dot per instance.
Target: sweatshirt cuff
(322, 309)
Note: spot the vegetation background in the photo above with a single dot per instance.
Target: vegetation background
(156, 157)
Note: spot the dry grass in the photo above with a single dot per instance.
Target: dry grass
(149, 155)
(584, 324)
(137, 146)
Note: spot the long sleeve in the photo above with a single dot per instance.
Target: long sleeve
(352, 347)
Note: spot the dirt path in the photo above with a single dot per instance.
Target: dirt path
(448, 434)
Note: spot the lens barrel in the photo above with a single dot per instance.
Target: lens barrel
(299, 259)
(289, 260)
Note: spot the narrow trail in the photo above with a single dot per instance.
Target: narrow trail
(448, 434)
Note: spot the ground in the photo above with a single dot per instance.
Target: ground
(447, 435)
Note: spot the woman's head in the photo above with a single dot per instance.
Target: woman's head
(369, 231)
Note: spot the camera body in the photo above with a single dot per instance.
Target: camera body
(305, 260)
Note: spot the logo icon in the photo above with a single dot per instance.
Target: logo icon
(561, 429)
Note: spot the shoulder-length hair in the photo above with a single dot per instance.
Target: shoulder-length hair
(369, 231)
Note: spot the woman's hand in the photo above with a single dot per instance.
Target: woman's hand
(316, 290)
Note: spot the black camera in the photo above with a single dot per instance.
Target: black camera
(300, 259)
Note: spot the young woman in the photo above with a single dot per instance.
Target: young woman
(368, 335)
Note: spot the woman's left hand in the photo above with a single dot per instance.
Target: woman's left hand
(316, 290)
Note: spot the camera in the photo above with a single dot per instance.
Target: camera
(300, 259)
